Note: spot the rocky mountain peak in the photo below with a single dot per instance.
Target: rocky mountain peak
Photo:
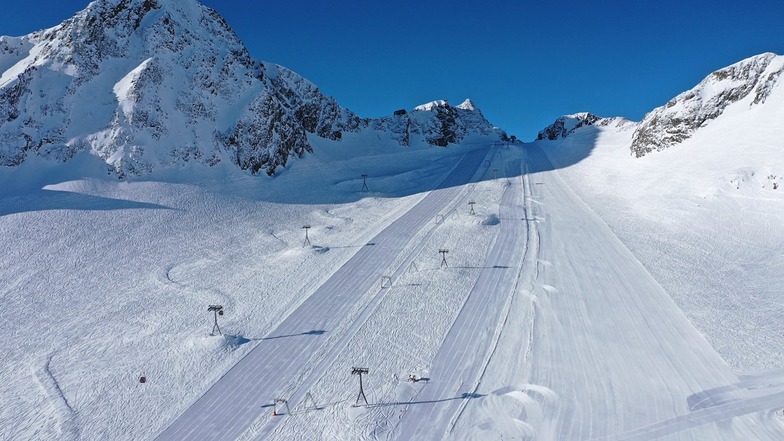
(150, 83)
(113, 27)
(467, 105)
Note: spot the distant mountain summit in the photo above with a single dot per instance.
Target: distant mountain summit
(437, 123)
(568, 124)
(158, 83)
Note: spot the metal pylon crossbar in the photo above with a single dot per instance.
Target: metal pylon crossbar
(217, 309)
(360, 371)
(443, 258)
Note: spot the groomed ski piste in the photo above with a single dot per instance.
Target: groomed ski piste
(542, 324)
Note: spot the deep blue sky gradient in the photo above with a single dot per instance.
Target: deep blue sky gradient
(524, 63)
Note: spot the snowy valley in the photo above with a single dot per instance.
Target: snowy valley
(612, 280)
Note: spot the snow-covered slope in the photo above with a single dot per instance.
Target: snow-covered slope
(145, 84)
(543, 325)
(703, 217)
(745, 84)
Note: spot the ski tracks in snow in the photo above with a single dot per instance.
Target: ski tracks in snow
(67, 425)
(760, 393)
(525, 277)
(469, 346)
(515, 409)
(340, 337)
(231, 405)
(623, 358)
(204, 296)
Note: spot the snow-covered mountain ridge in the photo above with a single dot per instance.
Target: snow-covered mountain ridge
(157, 83)
(741, 86)
(704, 214)
(746, 83)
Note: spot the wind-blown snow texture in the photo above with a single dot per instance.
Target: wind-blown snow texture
(156, 83)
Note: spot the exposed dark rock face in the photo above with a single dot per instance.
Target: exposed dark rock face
(148, 83)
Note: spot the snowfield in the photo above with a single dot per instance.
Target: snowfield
(613, 281)
(544, 325)
(704, 217)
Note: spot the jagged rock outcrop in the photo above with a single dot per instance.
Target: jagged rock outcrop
(748, 83)
(148, 83)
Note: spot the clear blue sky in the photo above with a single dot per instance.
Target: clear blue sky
(524, 63)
